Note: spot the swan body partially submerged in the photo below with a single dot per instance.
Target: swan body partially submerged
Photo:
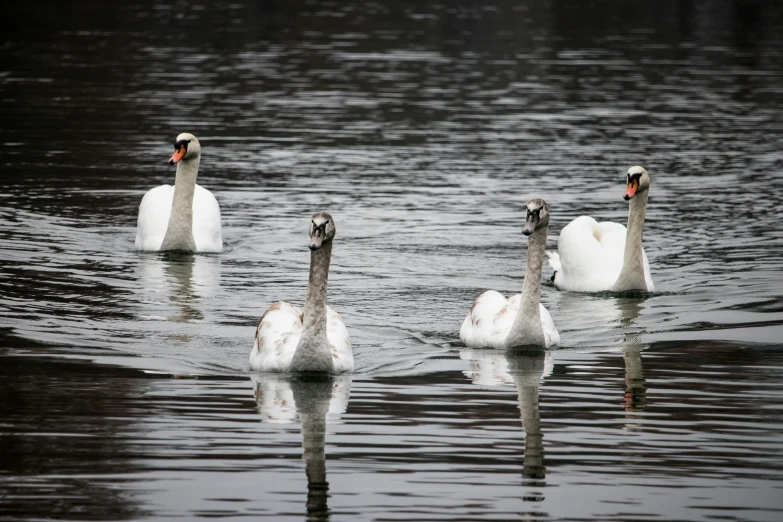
(315, 339)
(184, 217)
(497, 322)
(596, 257)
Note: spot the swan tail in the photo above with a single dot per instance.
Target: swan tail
(554, 262)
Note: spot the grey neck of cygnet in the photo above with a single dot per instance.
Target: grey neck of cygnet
(179, 234)
(313, 353)
(632, 274)
(527, 329)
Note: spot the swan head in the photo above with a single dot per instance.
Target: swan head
(638, 181)
(537, 216)
(322, 230)
(186, 148)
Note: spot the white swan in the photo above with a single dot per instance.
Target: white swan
(594, 257)
(185, 216)
(316, 340)
(497, 322)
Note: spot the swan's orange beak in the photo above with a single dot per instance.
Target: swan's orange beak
(178, 153)
(633, 186)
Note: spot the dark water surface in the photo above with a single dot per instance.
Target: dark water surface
(423, 127)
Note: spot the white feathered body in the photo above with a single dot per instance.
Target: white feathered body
(490, 319)
(278, 334)
(155, 211)
(590, 256)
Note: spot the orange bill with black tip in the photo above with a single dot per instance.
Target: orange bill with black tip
(179, 152)
(633, 186)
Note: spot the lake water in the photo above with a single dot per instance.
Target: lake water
(423, 128)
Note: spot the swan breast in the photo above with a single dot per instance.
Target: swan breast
(278, 334)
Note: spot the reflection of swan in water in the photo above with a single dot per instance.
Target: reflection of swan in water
(316, 400)
(180, 281)
(600, 322)
(525, 370)
(635, 391)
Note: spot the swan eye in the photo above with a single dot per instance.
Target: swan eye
(181, 143)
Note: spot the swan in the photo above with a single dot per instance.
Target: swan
(497, 322)
(594, 257)
(183, 217)
(316, 340)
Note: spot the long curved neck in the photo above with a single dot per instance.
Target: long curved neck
(632, 274)
(527, 329)
(179, 234)
(313, 353)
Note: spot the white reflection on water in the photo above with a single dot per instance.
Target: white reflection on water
(525, 371)
(314, 401)
(178, 284)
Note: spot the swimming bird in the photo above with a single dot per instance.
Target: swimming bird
(184, 217)
(595, 257)
(314, 340)
(497, 322)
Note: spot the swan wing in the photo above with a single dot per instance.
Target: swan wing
(339, 342)
(489, 320)
(277, 336)
(154, 213)
(551, 336)
(590, 255)
(554, 261)
(206, 221)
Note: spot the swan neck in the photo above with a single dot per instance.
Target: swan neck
(531, 287)
(313, 353)
(179, 233)
(632, 274)
(527, 329)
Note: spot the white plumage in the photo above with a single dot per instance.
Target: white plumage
(155, 211)
(313, 340)
(589, 256)
(521, 320)
(490, 319)
(278, 334)
(596, 257)
(185, 216)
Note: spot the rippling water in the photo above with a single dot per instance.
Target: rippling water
(423, 128)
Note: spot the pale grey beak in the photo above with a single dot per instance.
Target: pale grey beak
(316, 240)
(530, 226)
